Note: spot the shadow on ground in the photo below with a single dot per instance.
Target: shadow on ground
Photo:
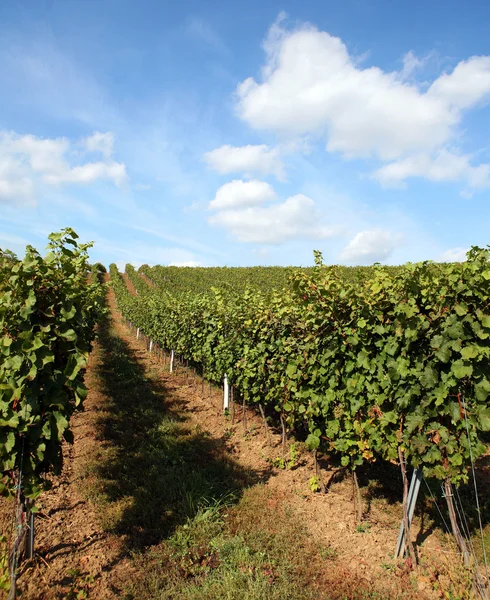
(155, 469)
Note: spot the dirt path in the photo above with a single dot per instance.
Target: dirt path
(77, 555)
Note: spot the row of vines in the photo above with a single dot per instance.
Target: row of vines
(48, 310)
(392, 364)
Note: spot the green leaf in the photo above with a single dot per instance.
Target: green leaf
(470, 352)
(429, 377)
(312, 442)
(482, 390)
(484, 418)
(461, 309)
(436, 341)
(69, 335)
(414, 422)
(485, 321)
(460, 370)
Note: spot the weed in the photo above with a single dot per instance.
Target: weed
(4, 561)
(314, 483)
(80, 585)
(328, 553)
(256, 550)
(363, 528)
(293, 455)
(281, 463)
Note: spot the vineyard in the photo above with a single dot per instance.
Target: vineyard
(366, 364)
(353, 366)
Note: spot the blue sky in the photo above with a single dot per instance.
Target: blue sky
(233, 133)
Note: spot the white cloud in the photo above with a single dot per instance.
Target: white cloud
(88, 173)
(374, 245)
(443, 166)
(102, 143)
(296, 218)
(467, 85)
(312, 85)
(453, 255)
(28, 162)
(19, 191)
(248, 159)
(239, 193)
(187, 263)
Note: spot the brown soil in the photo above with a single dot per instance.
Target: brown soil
(72, 547)
(146, 279)
(129, 284)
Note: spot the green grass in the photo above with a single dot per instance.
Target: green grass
(251, 551)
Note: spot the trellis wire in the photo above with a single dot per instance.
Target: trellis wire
(464, 522)
(437, 506)
(16, 527)
(475, 487)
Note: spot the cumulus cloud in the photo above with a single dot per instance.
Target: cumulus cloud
(239, 193)
(27, 162)
(312, 85)
(443, 166)
(453, 255)
(374, 245)
(467, 85)
(248, 159)
(88, 173)
(100, 142)
(295, 218)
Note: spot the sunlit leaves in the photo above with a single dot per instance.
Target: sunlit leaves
(366, 360)
(48, 310)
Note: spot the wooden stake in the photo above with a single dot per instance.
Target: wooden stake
(244, 415)
(318, 473)
(408, 540)
(448, 492)
(267, 433)
(284, 442)
(357, 497)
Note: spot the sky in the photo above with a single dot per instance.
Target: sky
(246, 133)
